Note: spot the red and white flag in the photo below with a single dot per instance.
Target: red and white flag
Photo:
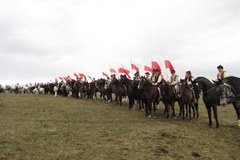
(112, 70)
(156, 65)
(124, 71)
(82, 75)
(76, 75)
(104, 74)
(148, 69)
(135, 67)
(169, 65)
(69, 78)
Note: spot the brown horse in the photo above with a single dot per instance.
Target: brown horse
(186, 100)
(118, 89)
(167, 92)
(151, 93)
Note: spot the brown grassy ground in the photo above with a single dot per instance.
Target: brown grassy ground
(45, 127)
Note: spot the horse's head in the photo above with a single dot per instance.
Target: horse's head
(143, 83)
(225, 93)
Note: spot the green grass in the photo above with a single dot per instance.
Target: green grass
(45, 127)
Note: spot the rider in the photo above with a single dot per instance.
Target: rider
(174, 81)
(156, 79)
(221, 73)
(136, 76)
(189, 79)
(147, 74)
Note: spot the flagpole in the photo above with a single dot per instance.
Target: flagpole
(131, 67)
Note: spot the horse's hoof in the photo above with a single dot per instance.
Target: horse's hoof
(149, 116)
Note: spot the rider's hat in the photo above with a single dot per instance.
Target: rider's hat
(220, 67)
(137, 73)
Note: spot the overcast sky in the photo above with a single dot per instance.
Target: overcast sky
(44, 39)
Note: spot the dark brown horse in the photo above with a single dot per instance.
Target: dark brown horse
(118, 89)
(168, 95)
(151, 93)
(186, 100)
(105, 93)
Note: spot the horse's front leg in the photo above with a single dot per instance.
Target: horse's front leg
(209, 116)
(173, 109)
(189, 111)
(154, 110)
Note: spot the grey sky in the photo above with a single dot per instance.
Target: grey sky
(44, 39)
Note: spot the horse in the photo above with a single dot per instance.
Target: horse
(210, 97)
(92, 90)
(186, 99)
(138, 95)
(229, 92)
(118, 88)
(103, 89)
(76, 89)
(129, 87)
(168, 97)
(151, 93)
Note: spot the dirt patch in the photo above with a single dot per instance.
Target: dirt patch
(167, 135)
(195, 154)
(160, 151)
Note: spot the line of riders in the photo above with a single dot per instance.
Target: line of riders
(121, 88)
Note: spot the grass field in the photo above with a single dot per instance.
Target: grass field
(45, 127)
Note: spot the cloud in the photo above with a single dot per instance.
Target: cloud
(44, 39)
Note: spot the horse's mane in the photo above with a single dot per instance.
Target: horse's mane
(204, 79)
(234, 82)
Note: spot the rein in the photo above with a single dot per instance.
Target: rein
(209, 90)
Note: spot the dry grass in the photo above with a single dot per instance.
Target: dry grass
(45, 127)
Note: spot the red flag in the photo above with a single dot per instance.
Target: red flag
(75, 74)
(156, 65)
(104, 74)
(69, 78)
(112, 70)
(82, 75)
(169, 65)
(65, 78)
(148, 69)
(134, 67)
(125, 71)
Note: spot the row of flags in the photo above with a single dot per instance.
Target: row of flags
(123, 70)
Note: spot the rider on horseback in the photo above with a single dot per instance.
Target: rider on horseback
(147, 76)
(156, 80)
(174, 81)
(221, 73)
(189, 79)
(137, 76)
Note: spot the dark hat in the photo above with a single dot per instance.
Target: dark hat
(147, 73)
(220, 67)
(137, 73)
(173, 71)
(188, 72)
